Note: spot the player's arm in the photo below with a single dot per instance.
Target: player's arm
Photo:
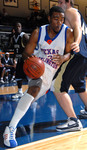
(59, 59)
(10, 43)
(29, 49)
(25, 39)
(69, 40)
(73, 17)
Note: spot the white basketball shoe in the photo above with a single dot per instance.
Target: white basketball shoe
(9, 137)
(17, 96)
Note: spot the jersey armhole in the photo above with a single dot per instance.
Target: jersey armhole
(66, 34)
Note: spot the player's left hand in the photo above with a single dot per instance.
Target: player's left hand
(58, 59)
(75, 47)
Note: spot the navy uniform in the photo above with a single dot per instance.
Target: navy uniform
(18, 42)
(76, 69)
(7, 61)
(18, 50)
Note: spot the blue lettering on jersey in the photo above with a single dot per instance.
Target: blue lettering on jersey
(50, 51)
(48, 59)
(49, 62)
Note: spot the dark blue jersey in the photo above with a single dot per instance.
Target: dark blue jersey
(17, 43)
(83, 43)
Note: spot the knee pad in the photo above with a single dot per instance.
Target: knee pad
(35, 82)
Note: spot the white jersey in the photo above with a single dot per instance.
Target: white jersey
(47, 46)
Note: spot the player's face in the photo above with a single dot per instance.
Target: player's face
(62, 4)
(56, 21)
(18, 28)
(7, 56)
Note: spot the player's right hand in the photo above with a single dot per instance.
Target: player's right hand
(75, 47)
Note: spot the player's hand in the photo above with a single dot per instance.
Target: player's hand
(58, 59)
(6, 65)
(1, 65)
(25, 56)
(75, 47)
(31, 56)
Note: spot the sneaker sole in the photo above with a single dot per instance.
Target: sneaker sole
(71, 129)
(5, 144)
(17, 97)
(82, 115)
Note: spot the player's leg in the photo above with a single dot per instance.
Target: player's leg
(72, 124)
(82, 89)
(21, 109)
(65, 102)
(37, 88)
(7, 76)
(19, 78)
(64, 99)
(13, 71)
(2, 74)
(83, 96)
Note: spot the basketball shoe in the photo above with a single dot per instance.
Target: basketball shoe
(17, 96)
(2, 81)
(6, 81)
(9, 137)
(13, 80)
(83, 113)
(72, 124)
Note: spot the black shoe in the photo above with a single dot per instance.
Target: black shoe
(83, 113)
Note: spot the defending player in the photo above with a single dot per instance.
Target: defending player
(76, 70)
(51, 39)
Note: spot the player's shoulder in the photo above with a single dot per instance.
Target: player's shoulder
(69, 31)
(72, 13)
(71, 10)
(26, 36)
(34, 35)
(36, 31)
(21, 34)
(70, 34)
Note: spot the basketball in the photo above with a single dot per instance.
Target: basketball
(34, 67)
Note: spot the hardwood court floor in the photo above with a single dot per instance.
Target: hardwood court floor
(37, 129)
(68, 141)
(13, 89)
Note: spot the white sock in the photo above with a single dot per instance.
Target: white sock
(6, 77)
(20, 90)
(1, 78)
(21, 109)
(13, 77)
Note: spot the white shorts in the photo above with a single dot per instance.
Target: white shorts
(46, 80)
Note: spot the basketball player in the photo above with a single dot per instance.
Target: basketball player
(8, 66)
(51, 41)
(76, 69)
(18, 42)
